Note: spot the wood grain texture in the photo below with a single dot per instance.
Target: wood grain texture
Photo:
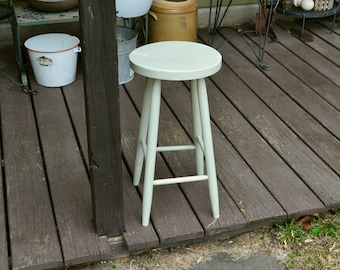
(68, 179)
(100, 69)
(136, 236)
(75, 101)
(33, 236)
(287, 138)
(3, 230)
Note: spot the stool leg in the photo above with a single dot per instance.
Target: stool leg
(143, 131)
(208, 147)
(197, 128)
(151, 152)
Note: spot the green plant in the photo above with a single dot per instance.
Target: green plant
(325, 227)
(313, 242)
(291, 232)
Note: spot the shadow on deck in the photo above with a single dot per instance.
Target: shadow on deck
(276, 136)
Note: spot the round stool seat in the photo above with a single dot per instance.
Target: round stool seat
(175, 60)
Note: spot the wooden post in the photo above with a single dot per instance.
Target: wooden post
(100, 69)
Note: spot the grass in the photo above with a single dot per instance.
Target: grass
(312, 242)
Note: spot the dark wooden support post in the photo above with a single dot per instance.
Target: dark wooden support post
(100, 68)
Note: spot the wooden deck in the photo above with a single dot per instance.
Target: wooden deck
(276, 136)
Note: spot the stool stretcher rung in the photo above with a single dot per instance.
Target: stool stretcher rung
(175, 148)
(177, 180)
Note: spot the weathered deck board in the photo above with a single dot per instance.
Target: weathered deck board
(136, 236)
(324, 143)
(312, 56)
(270, 168)
(322, 28)
(318, 176)
(328, 91)
(33, 235)
(274, 173)
(317, 137)
(247, 192)
(74, 97)
(3, 218)
(3, 231)
(314, 172)
(68, 180)
(324, 42)
(319, 91)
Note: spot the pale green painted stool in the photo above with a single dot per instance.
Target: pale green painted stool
(175, 61)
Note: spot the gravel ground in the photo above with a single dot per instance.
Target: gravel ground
(256, 250)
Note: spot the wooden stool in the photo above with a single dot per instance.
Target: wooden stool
(175, 61)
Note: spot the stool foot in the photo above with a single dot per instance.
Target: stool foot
(147, 202)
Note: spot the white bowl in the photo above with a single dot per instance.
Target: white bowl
(132, 8)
